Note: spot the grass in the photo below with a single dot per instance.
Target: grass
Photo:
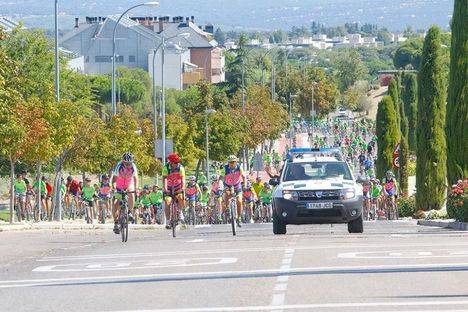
(5, 215)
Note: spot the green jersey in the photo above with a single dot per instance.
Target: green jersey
(205, 197)
(376, 190)
(20, 186)
(43, 187)
(265, 196)
(202, 179)
(156, 198)
(145, 200)
(88, 192)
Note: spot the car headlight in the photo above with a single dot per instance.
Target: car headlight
(347, 193)
(290, 195)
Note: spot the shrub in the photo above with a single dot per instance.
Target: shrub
(406, 206)
(457, 204)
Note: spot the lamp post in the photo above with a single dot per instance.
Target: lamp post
(148, 4)
(57, 64)
(162, 45)
(312, 113)
(207, 113)
(291, 131)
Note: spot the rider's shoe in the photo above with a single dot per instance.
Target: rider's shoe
(238, 223)
(251, 220)
(116, 228)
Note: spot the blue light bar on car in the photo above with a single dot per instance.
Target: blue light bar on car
(324, 151)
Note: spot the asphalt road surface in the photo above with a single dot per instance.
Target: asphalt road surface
(393, 266)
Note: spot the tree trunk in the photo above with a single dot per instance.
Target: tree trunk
(38, 191)
(57, 205)
(12, 188)
(197, 171)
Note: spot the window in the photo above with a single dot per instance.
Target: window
(102, 59)
(87, 59)
(316, 171)
(131, 58)
(119, 58)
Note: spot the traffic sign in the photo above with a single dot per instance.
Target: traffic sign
(258, 164)
(396, 151)
(169, 147)
(396, 162)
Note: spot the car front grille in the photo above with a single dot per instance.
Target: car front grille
(319, 195)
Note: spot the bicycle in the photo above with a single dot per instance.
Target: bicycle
(123, 216)
(391, 208)
(174, 211)
(232, 207)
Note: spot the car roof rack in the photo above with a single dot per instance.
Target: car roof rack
(299, 153)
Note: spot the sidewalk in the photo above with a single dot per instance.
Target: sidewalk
(449, 224)
(70, 225)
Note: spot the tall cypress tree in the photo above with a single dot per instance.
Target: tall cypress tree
(431, 167)
(394, 92)
(457, 105)
(409, 97)
(387, 135)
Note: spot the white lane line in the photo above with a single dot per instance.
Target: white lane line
(282, 278)
(266, 249)
(287, 260)
(278, 299)
(309, 307)
(199, 240)
(281, 287)
(233, 274)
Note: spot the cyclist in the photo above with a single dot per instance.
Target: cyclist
(217, 189)
(389, 188)
(73, 188)
(376, 193)
(104, 195)
(87, 195)
(50, 193)
(145, 205)
(202, 180)
(43, 195)
(124, 178)
(265, 196)
(174, 184)
(156, 199)
(204, 200)
(233, 176)
(366, 191)
(249, 199)
(192, 194)
(20, 189)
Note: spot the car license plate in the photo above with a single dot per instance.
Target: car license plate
(319, 205)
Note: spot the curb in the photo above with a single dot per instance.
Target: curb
(448, 224)
(72, 226)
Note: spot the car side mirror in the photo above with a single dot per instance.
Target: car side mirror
(274, 182)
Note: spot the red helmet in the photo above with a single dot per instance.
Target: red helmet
(173, 158)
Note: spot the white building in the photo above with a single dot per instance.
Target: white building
(175, 59)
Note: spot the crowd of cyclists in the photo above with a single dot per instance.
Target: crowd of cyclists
(204, 200)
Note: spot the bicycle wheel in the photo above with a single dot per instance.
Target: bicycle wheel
(191, 213)
(232, 211)
(173, 218)
(124, 223)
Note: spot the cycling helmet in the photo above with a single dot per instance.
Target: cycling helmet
(205, 188)
(104, 177)
(69, 178)
(389, 173)
(214, 177)
(146, 187)
(128, 157)
(232, 158)
(173, 158)
(192, 178)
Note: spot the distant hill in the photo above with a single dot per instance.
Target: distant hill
(248, 14)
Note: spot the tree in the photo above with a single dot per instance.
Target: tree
(431, 166)
(349, 69)
(457, 105)
(220, 36)
(409, 97)
(409, 53)
(387, 135)
(394, 93)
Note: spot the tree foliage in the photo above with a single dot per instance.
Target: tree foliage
(431, 167)
(457, 105)
(409, 97)
(387, 135)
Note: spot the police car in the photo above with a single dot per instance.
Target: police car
(316, 186)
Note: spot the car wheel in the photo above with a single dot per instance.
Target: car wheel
(356, 226)
(279, 227)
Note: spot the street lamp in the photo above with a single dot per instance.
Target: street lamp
(208, 112)
(291, 118)
(148, 4)
(163, 94)
(312, 113)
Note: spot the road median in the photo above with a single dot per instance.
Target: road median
(448, 224)
(71, 226)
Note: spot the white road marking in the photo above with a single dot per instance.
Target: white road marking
(202, 226)
(406, 254)
(281, 287)
(211, 274)
(278, 299)
(287, 260)
(148, 264)
(322, 306)
(199, 240)
(239, 250)
(282, 278)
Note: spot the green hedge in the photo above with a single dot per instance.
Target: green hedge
(406, 206)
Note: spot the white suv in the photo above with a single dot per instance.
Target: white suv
(316, 187)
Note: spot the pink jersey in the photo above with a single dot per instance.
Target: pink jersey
(124, 176)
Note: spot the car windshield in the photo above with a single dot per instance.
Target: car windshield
(316, 171)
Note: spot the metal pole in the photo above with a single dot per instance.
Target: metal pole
(57, 63)
(291, 125)
(313, 115)
(163, 102)
(243, 109)
(207, 146)
(155, 112)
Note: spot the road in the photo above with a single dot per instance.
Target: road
(393, 266)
